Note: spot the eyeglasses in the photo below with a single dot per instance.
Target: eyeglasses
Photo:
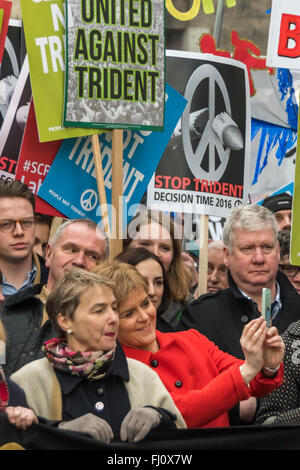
(8, 225)
(289, 270)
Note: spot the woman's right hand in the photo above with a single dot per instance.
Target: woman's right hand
(21, 417)
(252, 341)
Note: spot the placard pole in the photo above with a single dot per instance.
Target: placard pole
(219, 21)
(117, 192)
(203, 255)
(100, 184)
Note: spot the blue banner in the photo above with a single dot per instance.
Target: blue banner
(71, 186)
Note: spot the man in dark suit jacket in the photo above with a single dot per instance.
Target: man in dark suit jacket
(252, 256)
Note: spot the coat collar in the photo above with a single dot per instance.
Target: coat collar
(165, 340)
(280, 278)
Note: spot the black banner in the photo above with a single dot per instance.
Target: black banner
(176, 446)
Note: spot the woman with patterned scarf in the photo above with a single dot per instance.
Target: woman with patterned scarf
(85, 381)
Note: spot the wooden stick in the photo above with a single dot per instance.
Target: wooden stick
(55, 224)
(117, 191)
(203, 255)
(100, 184)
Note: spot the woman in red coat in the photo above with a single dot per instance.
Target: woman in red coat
(204, 381)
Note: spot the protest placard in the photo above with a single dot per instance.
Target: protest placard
(5, 9)
(71, 187)
(12, 61)
(205, 167)
(115, 64)
(208, 8)
(44, 27)
(295, 229)
(13, 126)
(35, 159)
(273, 156)
(284, 35)
(275, 99)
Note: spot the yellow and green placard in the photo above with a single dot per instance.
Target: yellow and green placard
(44, 28)
(295, 235)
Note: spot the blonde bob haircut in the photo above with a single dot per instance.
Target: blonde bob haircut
(125, 277)
(178, 275)
(65, 296)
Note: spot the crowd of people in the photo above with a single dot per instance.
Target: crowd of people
(120, 348)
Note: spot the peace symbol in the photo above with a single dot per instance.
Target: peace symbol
(209, 139)
(89, 200)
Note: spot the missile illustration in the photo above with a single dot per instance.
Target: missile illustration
(222, 124)
(197, 123)
(227, 131)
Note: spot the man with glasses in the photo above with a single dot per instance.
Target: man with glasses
(77, 243)
(291, 272)
(20, 265)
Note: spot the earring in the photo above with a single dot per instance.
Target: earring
(69, 332)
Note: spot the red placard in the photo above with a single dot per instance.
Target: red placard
(6, 7)
(289, 29)
(34, 161)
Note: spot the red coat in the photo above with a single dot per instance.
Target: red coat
(204, 381)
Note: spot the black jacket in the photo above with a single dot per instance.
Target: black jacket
(107, 397)
(221, 316)
(22, 315)
(17, 396)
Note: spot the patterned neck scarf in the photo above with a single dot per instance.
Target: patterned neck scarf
(4, 394)
(89, 365)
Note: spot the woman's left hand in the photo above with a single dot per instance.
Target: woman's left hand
(21, 417)
(273, 349)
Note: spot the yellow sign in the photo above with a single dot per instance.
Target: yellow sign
(208, 7)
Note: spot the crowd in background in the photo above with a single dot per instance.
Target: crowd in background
(120, 348)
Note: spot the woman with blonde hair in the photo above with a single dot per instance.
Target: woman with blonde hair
(157, 232)
(85, 380)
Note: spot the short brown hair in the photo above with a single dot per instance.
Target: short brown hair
(125, 277)
(16, 189)
(65, 296)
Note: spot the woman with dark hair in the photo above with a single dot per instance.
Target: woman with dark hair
(157, 232)
(150, 266)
